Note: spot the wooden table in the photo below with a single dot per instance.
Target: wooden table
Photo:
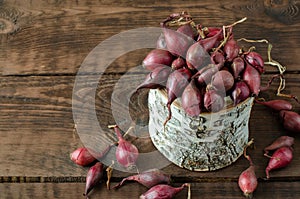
(44, 43)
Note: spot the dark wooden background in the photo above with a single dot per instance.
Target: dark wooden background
(44, 42)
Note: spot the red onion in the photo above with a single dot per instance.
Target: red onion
(211, 42)
(157, 57)
(177, 43)
(204, 75)
(222, 80)
(188, 30)
(237, 66)
(248, 181)
(231, 49)
(277, 105)
(191, 99)
(213, 101)
(217, 57)
(281, 158)
(240, 92)
(82, 156)
(252, 78)
(148, 178)
(290, 120)
(126, 153)
(178, 63)
(94, 176)
(196, 57)
(177, 81)
(280, 142)
(157, 78)
(163, 191)
(212, 31)
(255, 60)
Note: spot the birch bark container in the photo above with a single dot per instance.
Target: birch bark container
(207, 142)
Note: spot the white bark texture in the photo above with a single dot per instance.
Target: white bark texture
(207, 142)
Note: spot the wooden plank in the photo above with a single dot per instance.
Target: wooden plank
(219, 190)
(36, 128)
(55, 38)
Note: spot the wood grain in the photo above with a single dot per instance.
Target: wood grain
(284, 11)
(42, 47)
(230, 190)
(55, 38)
(36, 127)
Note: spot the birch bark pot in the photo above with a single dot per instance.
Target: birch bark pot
(207, 142)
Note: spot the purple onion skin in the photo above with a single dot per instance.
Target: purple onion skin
(231, 49)
(178, 63)
(213, 101)
(162, 191)
(291, 120)
(204, 75)
(188, 30)
(126, 152)
(240, 92)
(281, 158)
(196, 57)
(217, 57)
(176, 83)
(82, 156)
(177, 43)
(94, 176)
(248, 181)
(277, 105)
(237, 67)
(212, 31)
(222, 80)
(156, 78)
(280, 142)
(255, 60)
(211, 42)
(148, 178)
(157, 57)
(191, 99)
(252, 78)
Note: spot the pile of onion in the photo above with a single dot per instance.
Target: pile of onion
(203, 65)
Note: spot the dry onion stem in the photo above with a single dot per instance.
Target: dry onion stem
(229, 32)
(109, 171)
(275, 63)
(189, 192)
(177, 19)
(130, 129)
(245, 151)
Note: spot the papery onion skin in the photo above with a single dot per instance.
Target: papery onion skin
(157, 57)
(281, 158)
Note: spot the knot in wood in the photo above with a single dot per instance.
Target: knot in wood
(276, 3)
(285, 11)
(7, 26)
